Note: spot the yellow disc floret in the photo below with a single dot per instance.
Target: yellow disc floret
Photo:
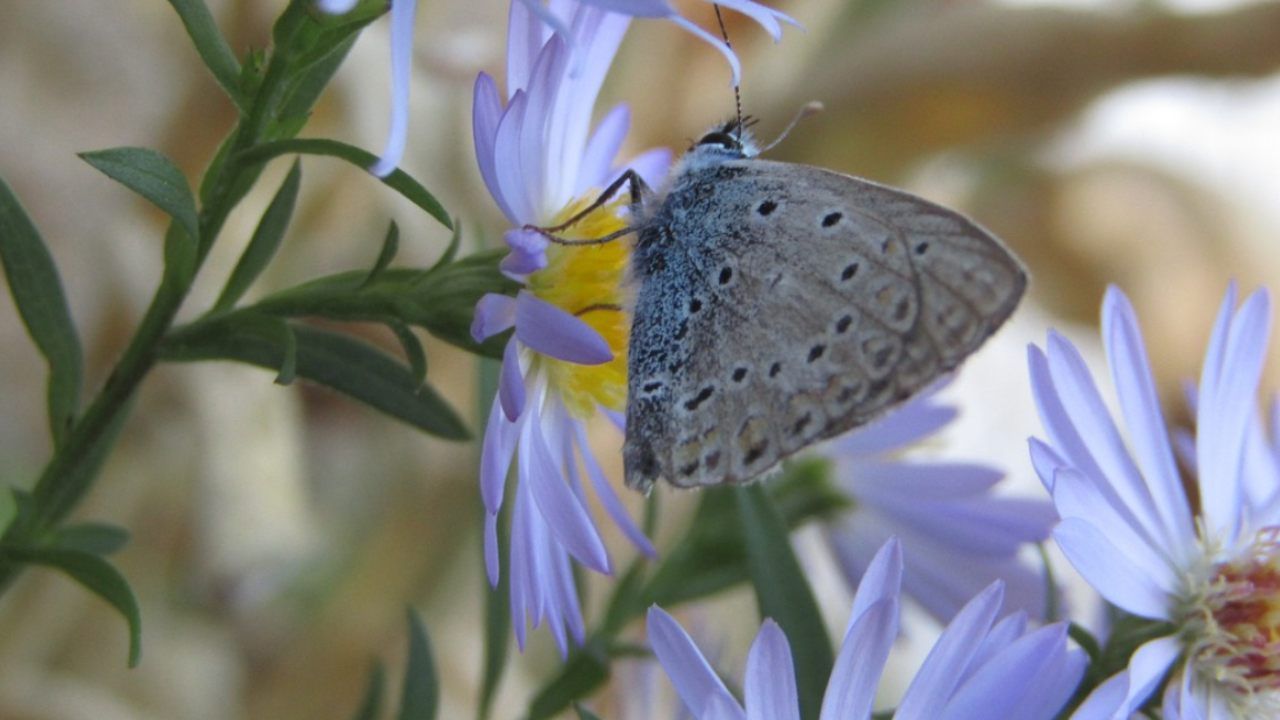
(587, 281)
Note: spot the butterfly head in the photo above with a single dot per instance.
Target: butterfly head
(728, 141)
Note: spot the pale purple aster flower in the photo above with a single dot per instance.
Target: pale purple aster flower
(1129, 527)
(402, 17)
(541, 161)
(768, 18)
(958, 536)
(979, 668)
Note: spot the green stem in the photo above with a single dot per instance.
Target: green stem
(71, 471)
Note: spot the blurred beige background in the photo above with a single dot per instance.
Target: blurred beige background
(278, 533)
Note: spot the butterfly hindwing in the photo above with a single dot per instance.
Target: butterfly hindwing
(779, 304)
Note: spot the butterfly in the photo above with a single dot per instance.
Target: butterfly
(778, 304)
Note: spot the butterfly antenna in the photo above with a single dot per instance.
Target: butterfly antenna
(737, 92)
(810, 108)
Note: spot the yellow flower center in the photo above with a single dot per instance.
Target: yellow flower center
(1234, 628)
(587, 281)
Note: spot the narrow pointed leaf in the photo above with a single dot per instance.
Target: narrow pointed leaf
(371, 705)
(421, 696)
(265, 241)
(400, 181)
(451, 250)
(338, 361)
(95, 538)
(783, 593)
(154, 177)
(289, 360)
(585, 714)
(413, 352)
(37, 293)
(390, 246)
(211, 46)
(99, 577)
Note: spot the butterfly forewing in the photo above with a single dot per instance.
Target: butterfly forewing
(779, 304)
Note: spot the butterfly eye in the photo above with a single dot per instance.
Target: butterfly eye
(722, 139)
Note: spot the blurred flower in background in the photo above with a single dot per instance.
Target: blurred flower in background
(1209, 569)
(958, 537)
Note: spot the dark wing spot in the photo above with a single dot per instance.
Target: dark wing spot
(831, 219)
(922, 248)
(767, 207)
(695, 305)
(902, 309)
(774, 369)
(726, 274)
(799, 425)
(652, 386)
(882, 357)
(849, 271)
(713, 459)
(682, 330)
(842, 325)
(816, 351)
(703, 395)
(739, 373)
(689, 469)
(755, 452)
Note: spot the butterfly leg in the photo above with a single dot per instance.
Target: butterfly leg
(638, 190)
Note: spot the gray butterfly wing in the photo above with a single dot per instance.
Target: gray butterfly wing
(780, 304)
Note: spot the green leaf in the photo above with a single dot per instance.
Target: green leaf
(94, 538)
(390, 246)
(265, 241)
(584, 714)
(413, 351)
(320, 52)
(586, 669)
(98, 576)
(441, 301)
(37, 293)
(400, 181)
(154, 177)
(289, 361)
(421, 696)
(451, 250)
(371, 704)
(211, 46)
(342, 363)
(783, 593)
